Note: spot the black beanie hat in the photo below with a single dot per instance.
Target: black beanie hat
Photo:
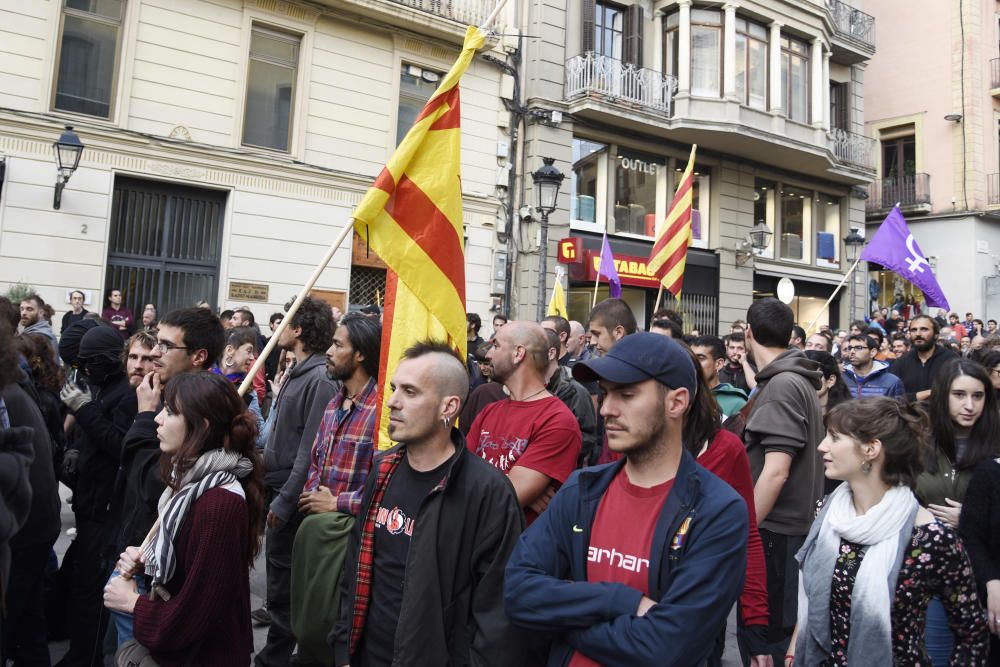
(69, 341)
(100, 342)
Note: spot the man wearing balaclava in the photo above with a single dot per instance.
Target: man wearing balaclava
(104, 406)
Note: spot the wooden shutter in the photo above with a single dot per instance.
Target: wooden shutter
(633, 35)
(588, 7)
(839, 106)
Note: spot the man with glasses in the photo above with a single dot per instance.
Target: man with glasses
(866, 376)
(188, 340)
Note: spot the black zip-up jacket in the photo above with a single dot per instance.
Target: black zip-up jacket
(577, 399)
(100, 434)
(452, 612)
(915, 374)
(138, 486)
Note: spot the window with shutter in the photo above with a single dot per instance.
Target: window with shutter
(587, 37)
(633, 35)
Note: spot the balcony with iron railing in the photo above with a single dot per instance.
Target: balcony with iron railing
(594, 76)
(912, 192)
(853, 26)
(852, 149)
(470, 12)
(995, 77)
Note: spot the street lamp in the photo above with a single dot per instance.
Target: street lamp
(852, 245)
(758, 238)
(68, 149)
(547, 180)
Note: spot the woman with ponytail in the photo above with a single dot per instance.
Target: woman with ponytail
(874, 558)
(197, 557)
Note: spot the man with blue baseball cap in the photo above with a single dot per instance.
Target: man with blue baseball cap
(639, 561)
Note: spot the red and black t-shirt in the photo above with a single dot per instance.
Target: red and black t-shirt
(394, 523)
(621, 538)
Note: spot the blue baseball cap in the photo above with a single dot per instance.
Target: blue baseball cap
(639, 357)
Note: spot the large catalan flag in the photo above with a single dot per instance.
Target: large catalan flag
(673, 235)
(412, 219)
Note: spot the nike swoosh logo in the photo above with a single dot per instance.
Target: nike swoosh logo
(577, 529)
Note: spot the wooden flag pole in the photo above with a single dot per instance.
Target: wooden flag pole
(659, 295)
(835, 291)
(488, 23)
(303, 293)
(597, 283)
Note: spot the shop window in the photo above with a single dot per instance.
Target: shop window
(795, 79)
(635, 177)
(751, 63)
(765, 210)
(274, 62)
(796, 222)
(416, 85)
(87, 61)
(587, 156)
(828, 227)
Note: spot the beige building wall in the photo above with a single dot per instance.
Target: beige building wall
(178, 117)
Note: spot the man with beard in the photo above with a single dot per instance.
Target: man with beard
(637, 562)
(338, 466)
(532, 437)
(139, 357)
(33, 320)
(299, 408)
(104, 408)
(918, 367)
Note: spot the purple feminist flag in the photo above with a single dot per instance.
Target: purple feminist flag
(894, 247)
(608, 270)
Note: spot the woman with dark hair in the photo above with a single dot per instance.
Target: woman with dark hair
(965, 426)
(834, 390)
(723, 454)
(874, 558)
(991, 362)
(47, 380)
(237, 360)
(198, 555)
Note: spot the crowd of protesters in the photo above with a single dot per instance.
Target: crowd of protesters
(570, 493)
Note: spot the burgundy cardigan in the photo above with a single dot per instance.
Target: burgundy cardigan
(207, 619)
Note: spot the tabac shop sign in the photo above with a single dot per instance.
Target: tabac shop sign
(632, 270)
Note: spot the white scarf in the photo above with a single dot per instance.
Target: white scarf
(871, 600)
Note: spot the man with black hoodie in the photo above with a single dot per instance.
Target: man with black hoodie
(300, 407)
(104, 407)
(784, 426)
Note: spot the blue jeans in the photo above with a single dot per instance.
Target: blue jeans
(121, 620)
(938, 638)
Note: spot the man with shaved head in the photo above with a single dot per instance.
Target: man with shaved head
(425, 561)
(531, 436)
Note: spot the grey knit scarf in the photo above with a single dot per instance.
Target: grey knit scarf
(214, 468)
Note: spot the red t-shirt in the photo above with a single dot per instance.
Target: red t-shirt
(542, 435)
(619, 550)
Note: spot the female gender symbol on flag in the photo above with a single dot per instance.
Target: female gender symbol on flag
(894, 247)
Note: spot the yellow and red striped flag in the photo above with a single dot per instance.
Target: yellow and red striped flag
(673, 235)
(412, 219)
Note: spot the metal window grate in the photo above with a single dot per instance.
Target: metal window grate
(700, 311)
(165, 244)
(367, 286)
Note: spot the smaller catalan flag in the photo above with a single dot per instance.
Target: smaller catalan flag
(673, 235)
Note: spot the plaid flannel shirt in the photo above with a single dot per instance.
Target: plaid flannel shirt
(366, 549)
(342, 451)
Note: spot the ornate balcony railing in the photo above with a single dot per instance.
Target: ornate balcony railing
(852, 23)
(470, 12)
(909, 190)
(854, 149)
(591, 74)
